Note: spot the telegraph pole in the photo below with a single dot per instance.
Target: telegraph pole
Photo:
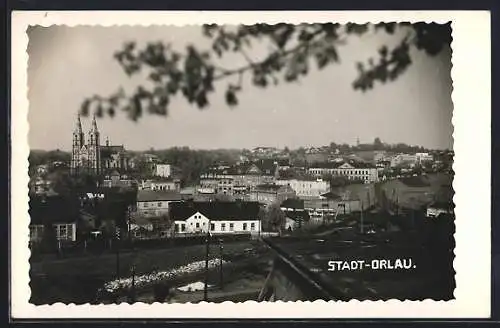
(117, 253)
(205, 288)
(129, 219)
(132, 290)
(221, 249)
(362, 216)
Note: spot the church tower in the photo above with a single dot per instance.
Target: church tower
(94, 149)
(78, 143)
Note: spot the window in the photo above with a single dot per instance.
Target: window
(183, 227)
(145, 204)
(197, 225)
(212, 226)
(231, 226)
(159, 204)
(70, 231)
(244, 226)
(223, 227)
(252, 226)
(176, 227)
(62, 231)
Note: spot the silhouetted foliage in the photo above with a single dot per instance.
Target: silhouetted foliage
(294, 49)
(274, 218)
(49, 238)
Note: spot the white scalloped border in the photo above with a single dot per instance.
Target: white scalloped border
(471, 96)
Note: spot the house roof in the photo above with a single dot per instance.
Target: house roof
(268, 187)
(331, 195)
(140, 220)
(293, 203)
(153, 195)
(216, 210)
(258, 167)
(442, 205)
(336, 165)
(53, 209)
(297, 215)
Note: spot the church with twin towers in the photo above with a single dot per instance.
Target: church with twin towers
(90, 157)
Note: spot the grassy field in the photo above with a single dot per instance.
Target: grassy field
(77, 280)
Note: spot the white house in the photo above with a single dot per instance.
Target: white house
(306, 187)
(218, 217)
(424, 157)
(352, 170)
(163, 170)
(155, 203)
(64, 231)
(165, 185)
(434, 210)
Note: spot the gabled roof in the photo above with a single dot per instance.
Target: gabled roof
(295, 203)
(53, 209)
(161, 195)
(268, 187)
(331, 195)
(259, 167)
(216, 210)
(443, 205)
(297, 215)
(336, 165)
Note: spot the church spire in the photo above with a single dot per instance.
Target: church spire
(94, 125)
(78, 126)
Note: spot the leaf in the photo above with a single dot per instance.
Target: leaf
(383, 51)
(99, 110)
(201, 100)
(231, 98)
(84, 110)
(111, 111)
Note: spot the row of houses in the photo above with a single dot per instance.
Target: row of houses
(69, 219)
(256, 177)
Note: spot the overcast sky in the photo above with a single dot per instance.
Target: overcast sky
(67, 64)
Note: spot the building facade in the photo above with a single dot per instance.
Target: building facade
(352, 170)
(152, 203)
(89, 156)
(271, 193)
(163, 170)
(216, 217)
(306, 188)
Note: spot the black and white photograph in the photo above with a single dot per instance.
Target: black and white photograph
(233, 163)
(243, 162)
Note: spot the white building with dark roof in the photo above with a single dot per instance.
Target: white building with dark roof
(216, 217)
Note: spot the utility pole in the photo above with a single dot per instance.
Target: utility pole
(362, 216)
(117, 253)
(129, 221)
(205, 288)
(221, 249)
(132, 290)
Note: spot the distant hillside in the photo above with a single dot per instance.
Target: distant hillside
(38, 156)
